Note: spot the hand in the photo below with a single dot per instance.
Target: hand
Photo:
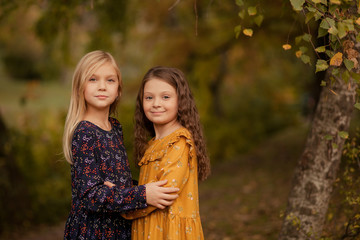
(109, 184)
(158, 196)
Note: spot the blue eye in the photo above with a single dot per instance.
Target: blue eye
(92, 79)
(166, 97)
(111, 80)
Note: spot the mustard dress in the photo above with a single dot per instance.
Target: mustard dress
(173, 158)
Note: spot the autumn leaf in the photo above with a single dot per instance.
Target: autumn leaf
(351, 53)
(248, 32)
(286, 46)
(358, 21)
(336, 60)
(337, 2)
(298, 54)
(347, 44)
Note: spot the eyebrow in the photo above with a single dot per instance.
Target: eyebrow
(168, 92)
(107, 76)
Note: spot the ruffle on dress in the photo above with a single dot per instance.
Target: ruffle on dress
(154, 152)
(169, 226)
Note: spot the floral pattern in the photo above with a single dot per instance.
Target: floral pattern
(100, 156)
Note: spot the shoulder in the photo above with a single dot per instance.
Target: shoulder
(177, 142)
(115, 123)
(84, 129)
(182, 136)
(182, 142)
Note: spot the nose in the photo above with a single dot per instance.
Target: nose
(101, 85)
(156, 102)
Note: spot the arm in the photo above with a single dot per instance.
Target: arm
(175, 170)
(88, 182)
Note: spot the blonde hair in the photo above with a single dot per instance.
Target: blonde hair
(86, 67)
(188, 116)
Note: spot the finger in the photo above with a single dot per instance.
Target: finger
(166, 203)
(170, 190)
(169, 197)
(160, 206)
(162, 182)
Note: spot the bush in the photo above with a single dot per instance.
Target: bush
(34, 180)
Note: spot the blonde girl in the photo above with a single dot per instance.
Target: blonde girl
(166, 113)
(93, 145)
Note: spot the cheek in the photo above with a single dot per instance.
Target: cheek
(146, 106)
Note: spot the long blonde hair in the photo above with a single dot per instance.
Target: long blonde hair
(86, 67)
(188, 116)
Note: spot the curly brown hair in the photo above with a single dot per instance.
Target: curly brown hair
(188, 116)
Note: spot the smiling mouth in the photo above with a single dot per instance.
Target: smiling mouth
(157, 112)
(101, 96)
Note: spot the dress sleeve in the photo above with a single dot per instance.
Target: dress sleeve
(89, 184)
(175, 168)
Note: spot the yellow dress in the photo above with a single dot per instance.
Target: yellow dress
(173, 158)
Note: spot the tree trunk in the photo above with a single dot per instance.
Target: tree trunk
(317, 168)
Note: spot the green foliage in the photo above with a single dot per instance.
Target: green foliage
(338, 21)
(34, 184)
(258, 95)
(250, 15)
(28, 69)
(343, 219)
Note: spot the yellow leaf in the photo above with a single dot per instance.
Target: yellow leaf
(298, 54)
(358, 21)
(336, 60)
(248, 32)
(338, 2)
(286, 46)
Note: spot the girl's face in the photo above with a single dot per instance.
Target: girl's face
(160, 102)
(101, 89)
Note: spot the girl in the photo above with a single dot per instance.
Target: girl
(166, 111)
(93, 145)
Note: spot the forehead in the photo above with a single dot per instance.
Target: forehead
(155, 85)
(105, 69)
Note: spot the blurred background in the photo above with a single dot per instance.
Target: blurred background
(255, 101)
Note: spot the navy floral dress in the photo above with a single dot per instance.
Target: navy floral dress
(100, 156)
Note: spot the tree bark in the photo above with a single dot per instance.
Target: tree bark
(317, 168)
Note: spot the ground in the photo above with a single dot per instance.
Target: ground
(242, 199)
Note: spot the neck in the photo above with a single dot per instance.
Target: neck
(99, 118)
(166, 129)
